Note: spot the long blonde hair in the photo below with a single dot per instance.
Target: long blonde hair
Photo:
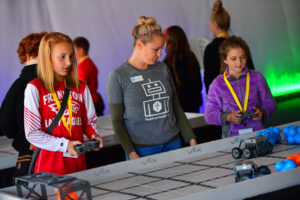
(45, 68)
(144, 30)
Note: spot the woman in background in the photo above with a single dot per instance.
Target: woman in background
(219, 23)
(184, 68)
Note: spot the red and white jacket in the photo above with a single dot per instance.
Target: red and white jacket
(39, 111)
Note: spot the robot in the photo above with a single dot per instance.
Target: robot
(253, 147)
(247, 170)
(35, 186)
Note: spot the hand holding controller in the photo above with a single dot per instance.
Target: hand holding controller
(248, 115)
(87, 146)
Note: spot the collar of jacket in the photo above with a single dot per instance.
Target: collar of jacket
(231, 78)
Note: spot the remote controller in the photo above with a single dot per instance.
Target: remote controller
(87, 146)
(247, 115)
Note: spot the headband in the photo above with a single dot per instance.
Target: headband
(146, 34)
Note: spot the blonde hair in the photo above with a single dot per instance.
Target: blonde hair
(145, 28)
(45, 68)
(220, 16)
(228, 44)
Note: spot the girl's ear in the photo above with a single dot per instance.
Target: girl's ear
(225, 61)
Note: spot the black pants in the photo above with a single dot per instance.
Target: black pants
(99, 106)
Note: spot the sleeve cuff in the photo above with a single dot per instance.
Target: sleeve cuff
(223, 118)
(63, 145)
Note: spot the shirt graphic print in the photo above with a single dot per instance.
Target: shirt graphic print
(157, 106)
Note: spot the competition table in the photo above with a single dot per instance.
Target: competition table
(198, 172)
(8, 155)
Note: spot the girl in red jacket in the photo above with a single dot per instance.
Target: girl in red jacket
(43, 97)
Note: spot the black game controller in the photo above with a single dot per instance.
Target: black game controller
(247, 115)
(87, 146)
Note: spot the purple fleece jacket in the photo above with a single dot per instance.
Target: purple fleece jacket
(220, 101)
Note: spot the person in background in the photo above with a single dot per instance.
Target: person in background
(88, 72)
(43, 97)
(219, 23)
(144, 108)
(12, 109)
(236, 91)
(184, 68)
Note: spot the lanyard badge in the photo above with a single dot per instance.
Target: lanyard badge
(69, 128)
(234, 94)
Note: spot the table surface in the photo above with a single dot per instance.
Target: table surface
(203, 171)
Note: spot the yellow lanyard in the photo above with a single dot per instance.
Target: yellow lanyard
(224, 34)
(70, 112)
(83, 58)
(234, 95)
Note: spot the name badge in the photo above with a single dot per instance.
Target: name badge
(135, 79)
(245, 130)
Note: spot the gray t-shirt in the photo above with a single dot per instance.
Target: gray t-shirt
(147, 99)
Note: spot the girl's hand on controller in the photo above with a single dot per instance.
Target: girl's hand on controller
(71, 147)
(234, 117)
(97, 137)
(258, 112)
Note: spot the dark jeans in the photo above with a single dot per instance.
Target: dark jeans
(147, 151)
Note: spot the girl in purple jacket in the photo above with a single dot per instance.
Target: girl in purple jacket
(239, 98)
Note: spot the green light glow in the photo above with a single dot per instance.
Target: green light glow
(283, 75)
